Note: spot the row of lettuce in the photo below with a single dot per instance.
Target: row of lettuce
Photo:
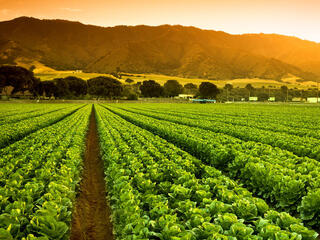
(305, 127)
(23, 114)
(39, 175)
(288, 182)
(158, 191)
(299, 145)
(294, 116)
(17, 126)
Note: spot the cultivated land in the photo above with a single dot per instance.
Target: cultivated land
(159, 171)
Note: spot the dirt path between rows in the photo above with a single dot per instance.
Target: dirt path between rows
(91, 216)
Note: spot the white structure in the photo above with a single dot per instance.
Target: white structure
(298, 99)
(253, 99)
(312, 100)
(272, 99)
(185, 96)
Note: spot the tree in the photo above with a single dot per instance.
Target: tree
(130, 92)
(37, 88)
(190, 88)
(32, 67)
(172, 88)
(62, 87)
(129, 80)
(19, 78)
(284, 92)
(76, 86)
(49, 88)
(208, 90)
(250, 88)
(105, 87)
(263, 97)
(150, 88)
(228, 87)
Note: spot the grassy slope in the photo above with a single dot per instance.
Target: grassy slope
(290, 82)
(45, 73)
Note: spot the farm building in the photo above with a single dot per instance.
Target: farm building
(253, 99)
(185, 96)
(298, 99)
(312, 100)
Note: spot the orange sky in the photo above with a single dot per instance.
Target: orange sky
(299, 18)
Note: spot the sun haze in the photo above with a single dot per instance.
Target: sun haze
(289, 17)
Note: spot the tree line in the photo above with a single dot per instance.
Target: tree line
(21, 80)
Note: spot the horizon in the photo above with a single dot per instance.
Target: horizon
(290, 18)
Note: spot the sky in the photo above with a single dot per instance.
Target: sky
(300, 18)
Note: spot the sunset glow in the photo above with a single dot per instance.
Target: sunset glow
(289, 17)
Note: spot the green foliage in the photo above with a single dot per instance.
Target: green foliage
(208, 90)
(310, 207)
(19, 78)
(41, 172)
(172, 88)
(105, 87)
(151, 88)
(175, 195)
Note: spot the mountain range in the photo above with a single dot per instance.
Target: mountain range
(166, 49)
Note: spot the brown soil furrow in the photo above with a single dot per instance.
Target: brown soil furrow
(91, 216)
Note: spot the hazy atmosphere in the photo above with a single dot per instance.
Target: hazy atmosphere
(289, 17)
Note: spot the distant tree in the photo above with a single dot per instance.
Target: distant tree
(76, 86)
(37, 89)
(150, 88)
(105, 87)
(208, 90)
(263, 96)
(129, 80)
(228, 87)
(49, 88)
(250, 89)
(190, 88)
(284, 92)
(62, 87)
(19, 78)
(130, 92)
(172, 88)
(32, 67)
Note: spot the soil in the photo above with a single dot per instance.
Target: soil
(91, 216)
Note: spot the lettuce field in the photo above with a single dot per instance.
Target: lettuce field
(132, 171)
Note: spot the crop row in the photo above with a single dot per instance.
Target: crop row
(7, 109)
(38, 180)
(293, 188)
(301, 146)
(31, 114)
(295, 117)
(253, 122)
(15, 131)
(158, 191)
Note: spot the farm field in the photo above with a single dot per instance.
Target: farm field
(159, 171)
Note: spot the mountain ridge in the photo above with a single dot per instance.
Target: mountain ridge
(165, 49)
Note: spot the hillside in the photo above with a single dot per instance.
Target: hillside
(171, 50)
